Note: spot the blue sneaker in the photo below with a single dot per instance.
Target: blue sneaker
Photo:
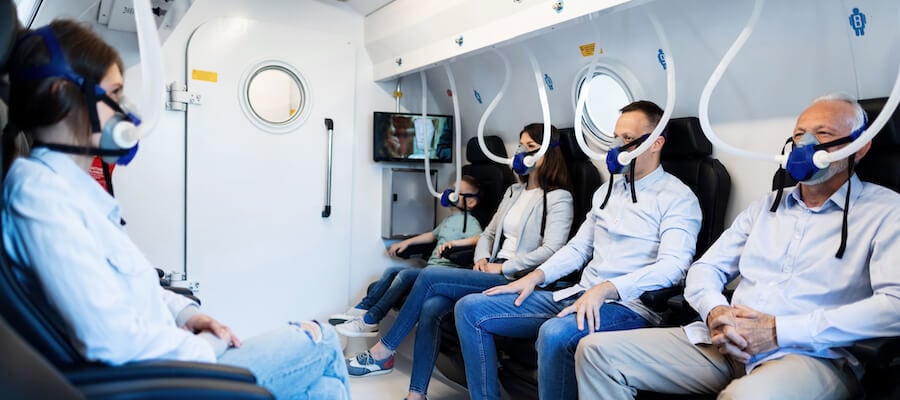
(363, 364)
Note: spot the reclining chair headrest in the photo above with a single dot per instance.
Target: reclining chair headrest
(888, 138)
(569, 146)
(685, 139)
(476, 156)
(9, 28)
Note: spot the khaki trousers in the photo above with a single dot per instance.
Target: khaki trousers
(615, 365)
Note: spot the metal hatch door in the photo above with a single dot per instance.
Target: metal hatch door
(256, 240)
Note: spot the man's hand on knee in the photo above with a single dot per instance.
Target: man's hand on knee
(204, 323)
(757, 328)
(723, 333)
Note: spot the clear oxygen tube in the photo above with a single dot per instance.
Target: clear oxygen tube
(821, 158)
(529, 161)
(424, 123)
(454, 196)
(579, 112)
(490, 109)
(627, 156)
(582, 100)
(153, 93)
(714, 80)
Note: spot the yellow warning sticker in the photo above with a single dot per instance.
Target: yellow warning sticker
(201, 75)
(587, 50)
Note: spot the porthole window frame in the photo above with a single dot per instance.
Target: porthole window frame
(621, 75)
(292, 123)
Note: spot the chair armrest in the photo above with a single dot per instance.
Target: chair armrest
(464, 256)
(876, 352)
(181, 388)
(658, 300)
(184, 292)
(159, 369)
(422, 251)
(678, 303)
(180, 290)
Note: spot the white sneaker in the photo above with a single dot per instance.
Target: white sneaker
(351, 314)
(357, 328)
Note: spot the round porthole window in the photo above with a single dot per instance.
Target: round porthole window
(608, 94)
(274, 97)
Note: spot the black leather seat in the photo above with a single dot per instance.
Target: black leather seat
(687, 155)
(583, 175)
(24, 307)
(27, 375)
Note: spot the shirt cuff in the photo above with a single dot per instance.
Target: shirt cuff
(186, 314)
(793, 330)
(508, 270)
(708, 303)
(548, 279)
(217, 344)
(626, 287)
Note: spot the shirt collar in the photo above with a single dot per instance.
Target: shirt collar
(65, 166)
(836, 198)
(648, 180)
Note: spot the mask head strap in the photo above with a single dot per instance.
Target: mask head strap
(544, 216)
(781, 176)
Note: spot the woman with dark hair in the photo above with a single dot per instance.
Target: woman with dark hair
(532, 222)
(61, 228)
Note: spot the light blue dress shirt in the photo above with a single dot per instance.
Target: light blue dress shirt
(788, 267)
(639, 246)
(58, 222)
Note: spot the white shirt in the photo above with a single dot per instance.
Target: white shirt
(638, 247)
(788, 267)
(514, 220)
(59, 223)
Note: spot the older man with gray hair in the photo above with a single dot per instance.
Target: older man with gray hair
(799, 301)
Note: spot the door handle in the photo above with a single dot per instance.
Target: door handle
(329, 127)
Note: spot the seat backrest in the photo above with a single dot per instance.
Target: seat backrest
(24, 306)
(24, 374)
(9, 27)
(493, 178)
(686, 155)
(881, 165)
(583, 175)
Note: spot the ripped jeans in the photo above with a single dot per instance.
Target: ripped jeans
(291, 365)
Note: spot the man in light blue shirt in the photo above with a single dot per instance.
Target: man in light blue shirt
(798, 301)
(632, 247)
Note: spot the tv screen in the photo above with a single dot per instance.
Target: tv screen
(404, 137)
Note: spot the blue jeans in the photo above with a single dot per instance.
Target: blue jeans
(292, 366)
(387, 291)
(479, 317)
(432, 297)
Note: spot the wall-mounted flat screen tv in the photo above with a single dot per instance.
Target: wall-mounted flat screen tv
(404, 137)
